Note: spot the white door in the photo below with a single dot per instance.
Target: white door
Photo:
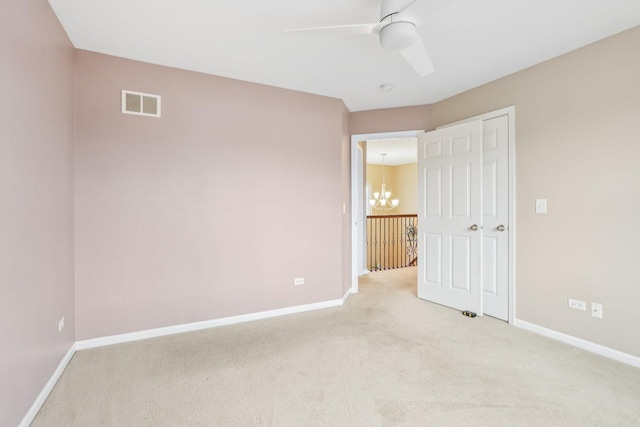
(450, 216)
(495, 202)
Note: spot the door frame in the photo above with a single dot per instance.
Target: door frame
(357, 247)
(510, 112)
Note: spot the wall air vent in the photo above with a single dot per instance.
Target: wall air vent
(141, 104)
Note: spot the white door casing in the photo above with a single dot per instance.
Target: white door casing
(495, 203)
(361, 212)
(450, 216)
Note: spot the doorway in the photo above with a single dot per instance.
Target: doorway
(391, 195)
(359, 200)
(359, 213)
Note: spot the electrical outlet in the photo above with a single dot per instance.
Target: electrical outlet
(596, 310)
(577, 305)
(60, 325)
(541, 206)
(298, 281)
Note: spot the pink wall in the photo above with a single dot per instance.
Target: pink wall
(391, 120)
(211, 210)
(36, 190)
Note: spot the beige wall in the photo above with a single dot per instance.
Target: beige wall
(211, 210)
(36, 190)
(401, 181)
(391, 120)
(407, 188)
(577, 127)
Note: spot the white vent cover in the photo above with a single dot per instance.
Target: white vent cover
(141, 104)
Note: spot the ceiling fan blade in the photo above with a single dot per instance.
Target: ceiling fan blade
(418, 57)
(406, 6)
(356, 29)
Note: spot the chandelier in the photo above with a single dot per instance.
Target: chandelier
(382, 200)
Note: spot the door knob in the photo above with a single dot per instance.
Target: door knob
(474, 227)
(501, 227)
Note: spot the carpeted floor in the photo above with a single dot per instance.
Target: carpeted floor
(386, 358)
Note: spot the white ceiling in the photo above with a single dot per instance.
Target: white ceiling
(399, 151)
(471, 42)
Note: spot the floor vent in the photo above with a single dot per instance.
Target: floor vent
(141, 104)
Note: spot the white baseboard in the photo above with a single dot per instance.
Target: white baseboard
(580, 343)
(37, 404)
(169, 330)
(346, 296)
(196, 326)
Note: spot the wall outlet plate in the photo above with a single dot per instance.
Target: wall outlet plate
(596, 310)
(541, 206)
(298, 281)
(60, 325)
(577, 304)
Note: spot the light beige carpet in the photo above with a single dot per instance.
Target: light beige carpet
(386, 358)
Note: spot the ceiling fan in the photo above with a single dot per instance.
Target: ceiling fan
(397, 30)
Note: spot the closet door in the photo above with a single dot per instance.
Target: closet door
(450, 216)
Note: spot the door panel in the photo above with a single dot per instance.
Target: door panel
(489, 188)
(461, 144)
(433, 250)
(460, 191)
(495, 192)
(460, 263)
(489, 268)
(433, 186)
(450, 202)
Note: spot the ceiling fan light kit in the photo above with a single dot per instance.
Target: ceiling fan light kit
(398, 35)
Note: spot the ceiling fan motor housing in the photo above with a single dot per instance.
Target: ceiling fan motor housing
(398, 35)
(390, 7)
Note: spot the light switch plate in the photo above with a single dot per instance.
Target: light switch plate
(541, 206)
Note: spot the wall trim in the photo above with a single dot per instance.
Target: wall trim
(346, 296)
(188, 327)
(206, 324)
(580, 343)
(169, 330)
(37, 404)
